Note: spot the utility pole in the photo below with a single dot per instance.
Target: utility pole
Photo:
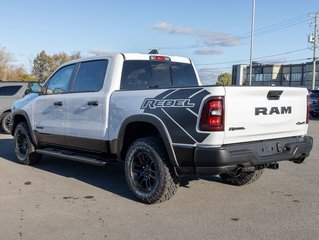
(314, 40)
(251, 42)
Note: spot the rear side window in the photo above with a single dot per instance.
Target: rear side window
(140, 74)
(90, 76)
(9, 90)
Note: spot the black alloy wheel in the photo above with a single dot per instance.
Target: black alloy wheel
(24, 148)
(148, 172)
(21, 144)
(144, 171)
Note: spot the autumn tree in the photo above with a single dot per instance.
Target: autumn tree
(5, 58)
(75, 55)
(44, 65)
(19, 73)
(224, 79)
(12, 72)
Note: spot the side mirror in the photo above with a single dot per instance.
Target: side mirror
(34, 87)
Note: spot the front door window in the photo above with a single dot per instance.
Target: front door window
(60, 81)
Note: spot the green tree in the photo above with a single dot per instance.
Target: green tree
(224, 79)
(44, 65)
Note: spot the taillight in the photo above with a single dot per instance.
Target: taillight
(308, 109)
(212, 117)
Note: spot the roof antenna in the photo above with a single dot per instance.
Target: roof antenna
(154, 51)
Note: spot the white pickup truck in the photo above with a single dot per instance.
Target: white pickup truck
(151, 112)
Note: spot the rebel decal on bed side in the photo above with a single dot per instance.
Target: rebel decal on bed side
(179, 110)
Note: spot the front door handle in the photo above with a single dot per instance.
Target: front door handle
(57, 104)
(93, 103)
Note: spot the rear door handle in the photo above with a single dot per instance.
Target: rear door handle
(93, 103)
(57, 104)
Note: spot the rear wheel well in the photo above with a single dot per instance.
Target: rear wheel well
(135, 131)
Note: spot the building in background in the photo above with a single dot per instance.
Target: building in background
(296, 75)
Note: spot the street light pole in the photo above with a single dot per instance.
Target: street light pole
(314, 51)
(251, 42)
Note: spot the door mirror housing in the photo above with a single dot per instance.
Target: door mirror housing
(33, 87)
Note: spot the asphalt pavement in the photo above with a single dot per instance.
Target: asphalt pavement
(60, 199)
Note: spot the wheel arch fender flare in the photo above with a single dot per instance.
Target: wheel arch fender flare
(14, 123)
(158, 124)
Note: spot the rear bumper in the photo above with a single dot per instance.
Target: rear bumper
(212, 161)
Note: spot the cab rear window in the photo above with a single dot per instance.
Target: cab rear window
(140, 74)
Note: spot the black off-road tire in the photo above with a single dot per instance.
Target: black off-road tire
(5, 120)
(243, 179)
(24, 147)
(148, 172)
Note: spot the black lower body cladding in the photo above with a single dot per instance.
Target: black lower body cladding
(213, 161)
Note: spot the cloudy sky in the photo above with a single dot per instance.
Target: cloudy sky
(214, 34)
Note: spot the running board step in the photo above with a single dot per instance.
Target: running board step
(72, 157)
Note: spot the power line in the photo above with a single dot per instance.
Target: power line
(279, 24)
(274, 27)
(257, 58)
(294, 60)
(281, 27)
(261, 31)
(275, 62)
(219, 68)
(294, 19)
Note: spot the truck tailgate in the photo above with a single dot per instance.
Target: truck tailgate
(258, 113)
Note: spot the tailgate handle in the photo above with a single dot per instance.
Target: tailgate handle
(274, 95)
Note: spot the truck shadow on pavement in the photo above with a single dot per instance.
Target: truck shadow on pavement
(110, 178)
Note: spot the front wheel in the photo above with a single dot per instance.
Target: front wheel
(243, 179)
(24, 148)
(147, 171)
